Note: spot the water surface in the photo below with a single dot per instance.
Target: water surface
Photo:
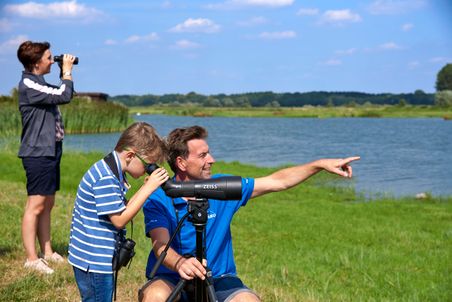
(398, 156)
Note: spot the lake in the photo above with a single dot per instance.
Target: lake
(398, 156)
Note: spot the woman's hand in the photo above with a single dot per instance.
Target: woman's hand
(68, 63)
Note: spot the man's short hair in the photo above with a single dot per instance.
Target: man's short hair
(177, 143)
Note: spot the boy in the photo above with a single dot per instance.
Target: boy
(101, 210)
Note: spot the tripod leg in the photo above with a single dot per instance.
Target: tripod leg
(176, 290)
(210, 289)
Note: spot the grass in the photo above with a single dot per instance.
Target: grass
(305, 111)
(311, 243)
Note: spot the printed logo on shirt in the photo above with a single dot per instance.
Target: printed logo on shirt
(211, 215)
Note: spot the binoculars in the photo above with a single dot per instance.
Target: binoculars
(59, 59)
(124, 252)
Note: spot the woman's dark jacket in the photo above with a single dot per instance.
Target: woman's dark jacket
(38, 107)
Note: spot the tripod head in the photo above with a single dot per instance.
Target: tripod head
(197, 208)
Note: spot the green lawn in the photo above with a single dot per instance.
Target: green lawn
(311, 243)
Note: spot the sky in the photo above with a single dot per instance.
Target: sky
(234, 46)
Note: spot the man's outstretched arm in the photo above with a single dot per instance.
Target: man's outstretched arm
(289, 177)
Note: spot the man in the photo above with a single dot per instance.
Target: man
(190, 159)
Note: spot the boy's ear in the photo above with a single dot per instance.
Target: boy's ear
(181, 164)
(129, 155)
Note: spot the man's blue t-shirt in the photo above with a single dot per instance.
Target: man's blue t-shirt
(163, 211)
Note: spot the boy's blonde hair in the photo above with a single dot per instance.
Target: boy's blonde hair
(143, 139)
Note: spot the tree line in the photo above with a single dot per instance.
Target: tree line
(272, 99)
(442, 98)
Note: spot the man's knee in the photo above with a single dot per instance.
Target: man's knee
(245, 297)
(155, 291)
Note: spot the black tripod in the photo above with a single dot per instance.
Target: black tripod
(203, 289)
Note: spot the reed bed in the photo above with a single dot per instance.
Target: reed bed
(82, 115)
(10, 124)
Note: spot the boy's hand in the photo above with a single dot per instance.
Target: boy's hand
(158, 177)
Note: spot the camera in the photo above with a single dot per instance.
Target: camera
(59, 59)
(124, 252)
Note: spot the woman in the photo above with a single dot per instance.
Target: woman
(41, 146)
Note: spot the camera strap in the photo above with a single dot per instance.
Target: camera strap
(111, 162)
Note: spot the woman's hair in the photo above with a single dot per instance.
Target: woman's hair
(177, 143)
(143, 139)
(29, 53)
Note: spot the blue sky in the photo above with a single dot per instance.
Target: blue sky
(235, 46)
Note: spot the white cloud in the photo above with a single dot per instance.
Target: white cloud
(68, 9)
(413, 64)
(407, 26)
(340, 17)
(196, 25)
(166, 4)
(346, 52)
(110, 42)
(185, 44)
(5, 25)
(392, 7)
(145, 38)
(271, 3)
(12, 44)
(308, 12)
(332, 62)
(389, 46)
(278, 35)
(231, 4)
(440, 60)
(253, 21)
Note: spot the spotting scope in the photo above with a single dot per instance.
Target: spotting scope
(221, 188)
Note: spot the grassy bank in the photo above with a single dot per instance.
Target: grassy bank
(311, 243)
(306, 111)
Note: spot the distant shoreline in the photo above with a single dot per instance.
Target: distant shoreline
(373, 111)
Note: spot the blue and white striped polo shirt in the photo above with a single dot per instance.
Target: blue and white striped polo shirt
(92, 239)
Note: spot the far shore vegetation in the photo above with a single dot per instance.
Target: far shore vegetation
(314, 242)
(308, 111)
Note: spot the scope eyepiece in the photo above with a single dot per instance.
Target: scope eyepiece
(59, 59)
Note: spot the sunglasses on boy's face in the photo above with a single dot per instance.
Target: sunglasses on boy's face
(148, 167)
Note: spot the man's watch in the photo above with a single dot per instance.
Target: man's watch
(67, 73)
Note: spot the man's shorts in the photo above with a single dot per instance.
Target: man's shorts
(43, 173)
(226, 287)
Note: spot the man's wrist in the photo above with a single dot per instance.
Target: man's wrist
(178, 262)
